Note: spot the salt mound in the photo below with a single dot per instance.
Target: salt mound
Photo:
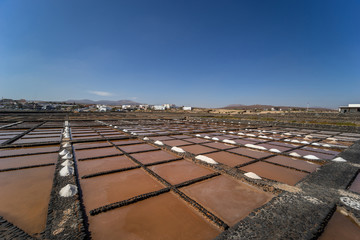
(68, 191)
(159, 143)
(252, 175)
(125, 130)
(339, 159)
(240, 133)
(262, 136)
(63, 152)
(207, 137)
(215, 139)
(275, 150)
(231, 132)
(305, 142)
(351, 202)
(311, 157)
(250, 135)
(67, 156)
(255, 146)
(332, 139)
(295, 141)
(289, 134)
(67, 171)
(67, 163)
(145, 138)
(177, 149)
(229, 141)
(316, 144)
(294, 154)
(66, 123)
(66, 144)
(326, 145)
(205, 159)
(308, 136)
(198, 135)
(287, 140)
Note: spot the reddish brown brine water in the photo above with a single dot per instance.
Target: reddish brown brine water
(229, 199)
(161, 217)
(341, 227)
(25, 196)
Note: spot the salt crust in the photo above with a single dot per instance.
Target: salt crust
(67, 163)
(252, 175)
(255, 146)
(159, 143)
(177, 149)
(229, 141)
(68, 191)
(339, 159)
(351, 202)
(205, 159)
(275, 150)
(67, 171)
(311, 157)
(294, 154)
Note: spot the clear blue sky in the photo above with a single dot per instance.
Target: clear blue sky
(200, 53)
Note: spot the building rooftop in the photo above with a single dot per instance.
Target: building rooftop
(107, 177)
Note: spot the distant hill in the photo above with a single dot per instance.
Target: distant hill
(259, 106)
(104, 102)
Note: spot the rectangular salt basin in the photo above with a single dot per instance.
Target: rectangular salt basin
(28, 160)
(103, 164)
(36, 140)
(197, 140)
(274, 172)
(96, 152)
(229, 159)
(220, 146)
(340, 227)
(355, 186)
(197, 149)
(110, 188)
(180, 171)
(227, 198)
(293, 162)
(125, 142)
(158, 218)
(25, 196)
(153, 156)
(161, 138)
(180, 136)
(78, 146)
(137, 148)
(27, 150)
(250, 152)
(176, 142)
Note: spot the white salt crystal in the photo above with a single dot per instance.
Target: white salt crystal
(68, 191)
(252, 175)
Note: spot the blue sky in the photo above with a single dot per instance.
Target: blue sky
(198, 53)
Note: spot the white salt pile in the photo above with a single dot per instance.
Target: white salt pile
(332, 139)
(125, 130)
(339, 159)
(315, 144)
(289, 134)
(66, 144)
(294, 154)
(287, 140)
(67, 156)
(255, 146)
(66, 123)
(351, 202)
(68, 191)
(252, 175)
(215, 139)
(326, 145)
(240, 133)
(231, 132)
(206, 159)
(308, 136)
(198, 135)
(159, 143)
(229, 141)
(250, 135)
(207, 137)
(311, 157)
(262, 136)
(67, 163)
(67, 171)
(63, 152)
(295, 141)
(305, 142)
(177, 149)
(145, 138)
(275, 150)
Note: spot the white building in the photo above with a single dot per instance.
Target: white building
(351, 108)
(103, 108)
(159, 107)
(187, 108)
